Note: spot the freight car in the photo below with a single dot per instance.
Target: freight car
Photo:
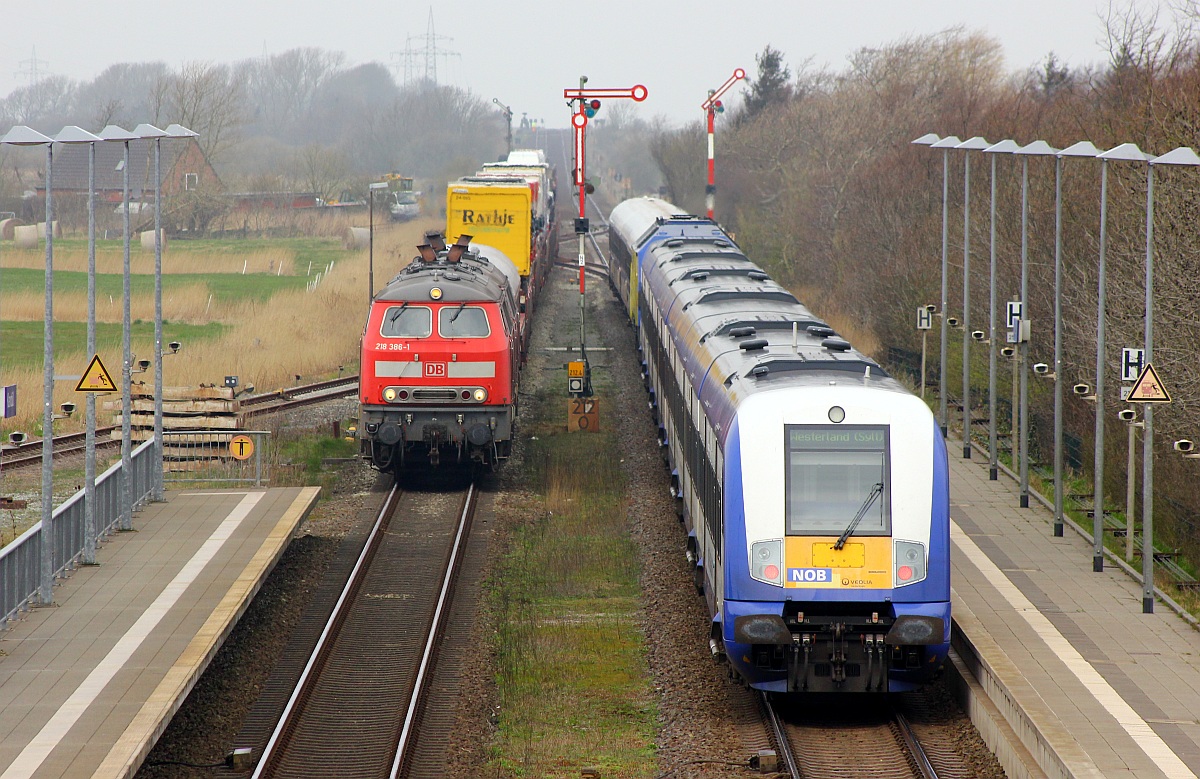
(813, 487)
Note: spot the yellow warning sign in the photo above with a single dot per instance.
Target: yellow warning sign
(96, 378)
(575, 369)
(1148, 388)
(241, 447)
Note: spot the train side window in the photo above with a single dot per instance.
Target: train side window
(463, 322)
(407, 321)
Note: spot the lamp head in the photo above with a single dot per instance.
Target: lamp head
(68, 408)
(952, 321)
(1184, 446)
(1126, 415)
(1041, 369)
(977, 335)
(16, 438)
(144, 364)
(175, 346)
(1007, 351)
(1082, 389)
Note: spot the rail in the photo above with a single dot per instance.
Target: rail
(20, 561)
(331, 724)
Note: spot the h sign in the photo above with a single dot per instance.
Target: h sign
(1132, 363)
(924, 318)
(1015, 311)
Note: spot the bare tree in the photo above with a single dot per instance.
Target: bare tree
(208, 99)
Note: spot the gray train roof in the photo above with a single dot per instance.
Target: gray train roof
(737, 331)
(472, 279)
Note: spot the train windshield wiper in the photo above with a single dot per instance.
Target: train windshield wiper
(876, 491)
(396, 315)
(461, 306)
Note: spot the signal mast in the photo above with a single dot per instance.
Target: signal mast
(585, 103)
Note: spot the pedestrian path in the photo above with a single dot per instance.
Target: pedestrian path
(1092, 686)
(88, 684)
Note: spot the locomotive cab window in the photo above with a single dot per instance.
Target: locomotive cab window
(463, 321)
(837, 480)
(407, 321)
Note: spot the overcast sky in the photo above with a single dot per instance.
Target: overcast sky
(678, 49)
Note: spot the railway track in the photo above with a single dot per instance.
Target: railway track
(297, 397)
(357, 709)
(30, 452)
(827, 737)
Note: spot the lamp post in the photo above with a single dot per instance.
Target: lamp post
(150, 132)
(971, 144)
(508, 115)
(945, 144)
(118, 134)
(1081, 149)
(1042, 149)
(77, 135)
(371, 190)
(26, 136)
(1131, 153)
(1007, 146)
(1180, 156)
(712, 106)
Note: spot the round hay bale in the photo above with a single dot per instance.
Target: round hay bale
(356, 238)
(7, 226)
(147, 239)
(26, 236)
(56, 226)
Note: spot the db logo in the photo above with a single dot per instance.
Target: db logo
(435, 370)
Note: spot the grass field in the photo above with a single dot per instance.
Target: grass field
(572, 669)
(263, 327)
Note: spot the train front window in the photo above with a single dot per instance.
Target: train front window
(405, 321)
(834, 472)
(462, 321)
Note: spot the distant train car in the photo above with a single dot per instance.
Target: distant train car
(813, 486)
(441, 352)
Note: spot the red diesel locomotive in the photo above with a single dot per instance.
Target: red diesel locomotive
(441, 353)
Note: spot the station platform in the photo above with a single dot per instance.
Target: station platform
(88, 684)
(1090, 685)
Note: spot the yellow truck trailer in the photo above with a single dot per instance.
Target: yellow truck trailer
(497, 213)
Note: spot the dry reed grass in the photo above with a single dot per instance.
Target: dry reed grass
(267, 344)
(192, 304)
(182, 258)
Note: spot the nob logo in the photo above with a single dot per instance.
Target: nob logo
(435, 370)
(810, 575)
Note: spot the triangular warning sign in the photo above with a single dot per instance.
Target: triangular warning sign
(96, 378)
(1148, 388)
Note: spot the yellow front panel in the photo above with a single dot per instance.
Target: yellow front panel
(496, 215)
(864, 563)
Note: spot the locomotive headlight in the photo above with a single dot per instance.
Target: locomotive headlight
(389, 394)
(909, 562)
(435, 293)
(480, 395)
(766, 562)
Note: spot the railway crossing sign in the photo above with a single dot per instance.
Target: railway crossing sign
(1133, 362)
(96, 378)
(1148, 388)
(924, 318)
(241, 447)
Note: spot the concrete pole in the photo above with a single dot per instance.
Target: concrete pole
(1148, 415)
(1098, 460)
(46, 590)
(1023, 346)
(942, 417)
(966, 323)
(1131, 491)
(89, 483)
(1059, 378)
(993, 454)
(127, 367)
(157, 480)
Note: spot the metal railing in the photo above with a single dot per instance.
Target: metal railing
(20, 561)
(215, 456)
